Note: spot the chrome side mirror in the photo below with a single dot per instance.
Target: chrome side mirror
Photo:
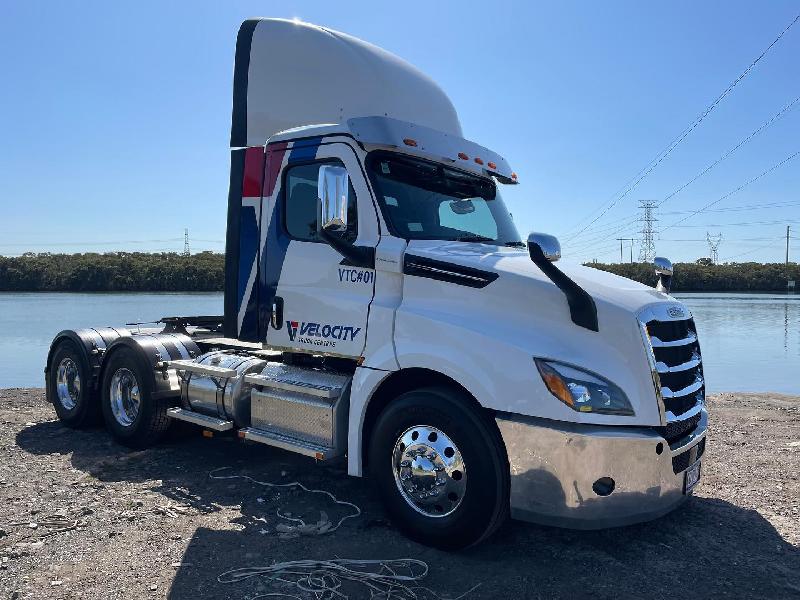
(547, 244)
(332, 190)
(663, 267)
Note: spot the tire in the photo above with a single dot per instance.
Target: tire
(69, 388)
(133, 417)
(468, 497)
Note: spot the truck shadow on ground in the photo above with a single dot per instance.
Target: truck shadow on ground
(706, 549)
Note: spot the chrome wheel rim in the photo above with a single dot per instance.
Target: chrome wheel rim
(125, 397)
(68, 383)
(429, 471)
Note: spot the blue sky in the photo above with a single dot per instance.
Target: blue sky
(114, 117)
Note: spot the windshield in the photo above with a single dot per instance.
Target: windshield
(424, 200)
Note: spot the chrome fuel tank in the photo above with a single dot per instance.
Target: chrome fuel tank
(223, 397)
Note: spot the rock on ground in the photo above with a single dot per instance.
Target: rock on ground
(81, 517)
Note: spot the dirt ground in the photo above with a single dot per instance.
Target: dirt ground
(81, 517)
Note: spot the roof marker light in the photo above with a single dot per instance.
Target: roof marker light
(514, 176)
(493, 165)
(479, 160)
(463, 156)
(410, 142)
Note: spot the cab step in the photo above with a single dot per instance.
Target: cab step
(285, 442)
(213, 423)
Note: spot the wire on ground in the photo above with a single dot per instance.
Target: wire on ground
(385, 579)
(295, 484)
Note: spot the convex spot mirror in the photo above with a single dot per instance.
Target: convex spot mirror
(333, 188)
(462, 207)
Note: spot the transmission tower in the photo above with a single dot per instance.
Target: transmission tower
(186, 242)
(647, 251)
(713, 246)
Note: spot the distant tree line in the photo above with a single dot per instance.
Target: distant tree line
(705, 277)
(205, 272)
(113, 272)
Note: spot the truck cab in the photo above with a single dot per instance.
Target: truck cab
(382, 308)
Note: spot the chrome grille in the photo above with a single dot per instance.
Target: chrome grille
(678, 362)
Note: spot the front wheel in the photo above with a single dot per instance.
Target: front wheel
(440, 468)
(132, 415)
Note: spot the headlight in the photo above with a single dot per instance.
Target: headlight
(583, 391)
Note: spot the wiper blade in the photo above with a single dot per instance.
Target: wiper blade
(474, 238)
(516, 244)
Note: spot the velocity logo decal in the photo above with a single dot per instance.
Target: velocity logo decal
(318, 334)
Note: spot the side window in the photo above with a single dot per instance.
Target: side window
(300, 204)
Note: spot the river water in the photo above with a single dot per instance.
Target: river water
(750, 342)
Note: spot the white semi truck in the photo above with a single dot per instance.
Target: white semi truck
(381, 306)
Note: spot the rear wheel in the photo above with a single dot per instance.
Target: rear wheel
(69, 387)
(440, 468)
(132, 415)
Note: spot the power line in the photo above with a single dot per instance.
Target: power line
(744, 207)
(732, 192)
(762, 247)
(602, 235)
(95, 243)
(705, 240)
(742, 224)
(691, 127)
(732, 150)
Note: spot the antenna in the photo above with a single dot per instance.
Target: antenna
(713, 246)
(186, 242)
(647, 252)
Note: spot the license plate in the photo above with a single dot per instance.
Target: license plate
(691, 477)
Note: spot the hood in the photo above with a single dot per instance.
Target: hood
(522, 314)
(605, 288)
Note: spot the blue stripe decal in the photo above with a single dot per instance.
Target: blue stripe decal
(248, 248)
(277, 242)
(305, 149)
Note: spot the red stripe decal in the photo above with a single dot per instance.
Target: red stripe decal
(275, 153)
(253, 164)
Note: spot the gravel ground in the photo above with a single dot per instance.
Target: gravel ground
(81, 517)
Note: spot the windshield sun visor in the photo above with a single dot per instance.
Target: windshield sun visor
(431, 143)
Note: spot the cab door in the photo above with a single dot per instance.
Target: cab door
(314, 301)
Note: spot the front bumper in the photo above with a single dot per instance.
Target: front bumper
(554, 466)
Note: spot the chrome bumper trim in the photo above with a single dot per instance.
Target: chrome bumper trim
(555, 464)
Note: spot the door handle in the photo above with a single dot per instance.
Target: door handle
(277, 313)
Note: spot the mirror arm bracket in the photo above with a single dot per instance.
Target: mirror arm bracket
(358, 256)
(582, 308)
